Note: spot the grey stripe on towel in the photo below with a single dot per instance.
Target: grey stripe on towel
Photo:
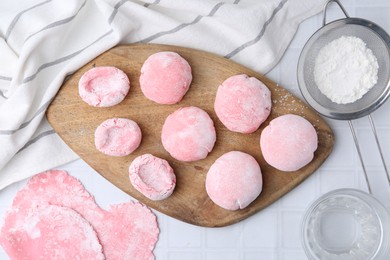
(116, 7)
(17, 17)
(2, 94)
(120, 3)
(38, 137)
(183, 25)
(40, 110)
(261, 33)
(60, 60)
(58, 23)
(5, 78)
(154, 3)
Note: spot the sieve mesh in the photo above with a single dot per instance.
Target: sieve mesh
(376, 39)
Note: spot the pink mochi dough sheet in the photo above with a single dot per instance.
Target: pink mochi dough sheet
(125, 231)
(49, 232)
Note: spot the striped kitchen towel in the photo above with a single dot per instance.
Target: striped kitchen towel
(43, 41)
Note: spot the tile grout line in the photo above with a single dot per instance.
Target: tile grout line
(279, 227)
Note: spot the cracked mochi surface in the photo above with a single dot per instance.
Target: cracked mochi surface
(234, 180)
(118, 137)
(188, 134)
(152, 176)
(125, 231)
(165, 77)
(288, 143)
(103, 86)
(242, 103)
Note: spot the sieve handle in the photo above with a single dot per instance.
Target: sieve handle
(379, 147)
(360, 155)
(326, 7)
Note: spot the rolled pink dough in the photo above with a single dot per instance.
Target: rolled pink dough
(125, 231)
(188, 134)
(242, 103)
(234, 180)
(117, 136)
(103, 86)
(152, 176)
(165, 77)
(50, 232)
(288, 143)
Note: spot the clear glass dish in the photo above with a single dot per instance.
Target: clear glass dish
(346, 224)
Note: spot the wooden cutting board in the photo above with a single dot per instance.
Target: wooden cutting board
(75, 122)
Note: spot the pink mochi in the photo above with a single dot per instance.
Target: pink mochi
(242, 103)
(152, 176)
(103, 86)
(188, 134)
(288, 143)
(117, 136)
(234, 180)
(165, 77)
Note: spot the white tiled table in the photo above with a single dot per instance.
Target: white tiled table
(273, 233)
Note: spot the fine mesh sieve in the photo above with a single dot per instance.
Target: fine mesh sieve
(378, 41)
(375, 38)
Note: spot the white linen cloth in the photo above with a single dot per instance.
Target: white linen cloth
(43, 41)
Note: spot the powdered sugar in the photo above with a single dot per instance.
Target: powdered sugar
(345, 69)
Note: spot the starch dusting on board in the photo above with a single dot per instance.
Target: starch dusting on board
(345, 69)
